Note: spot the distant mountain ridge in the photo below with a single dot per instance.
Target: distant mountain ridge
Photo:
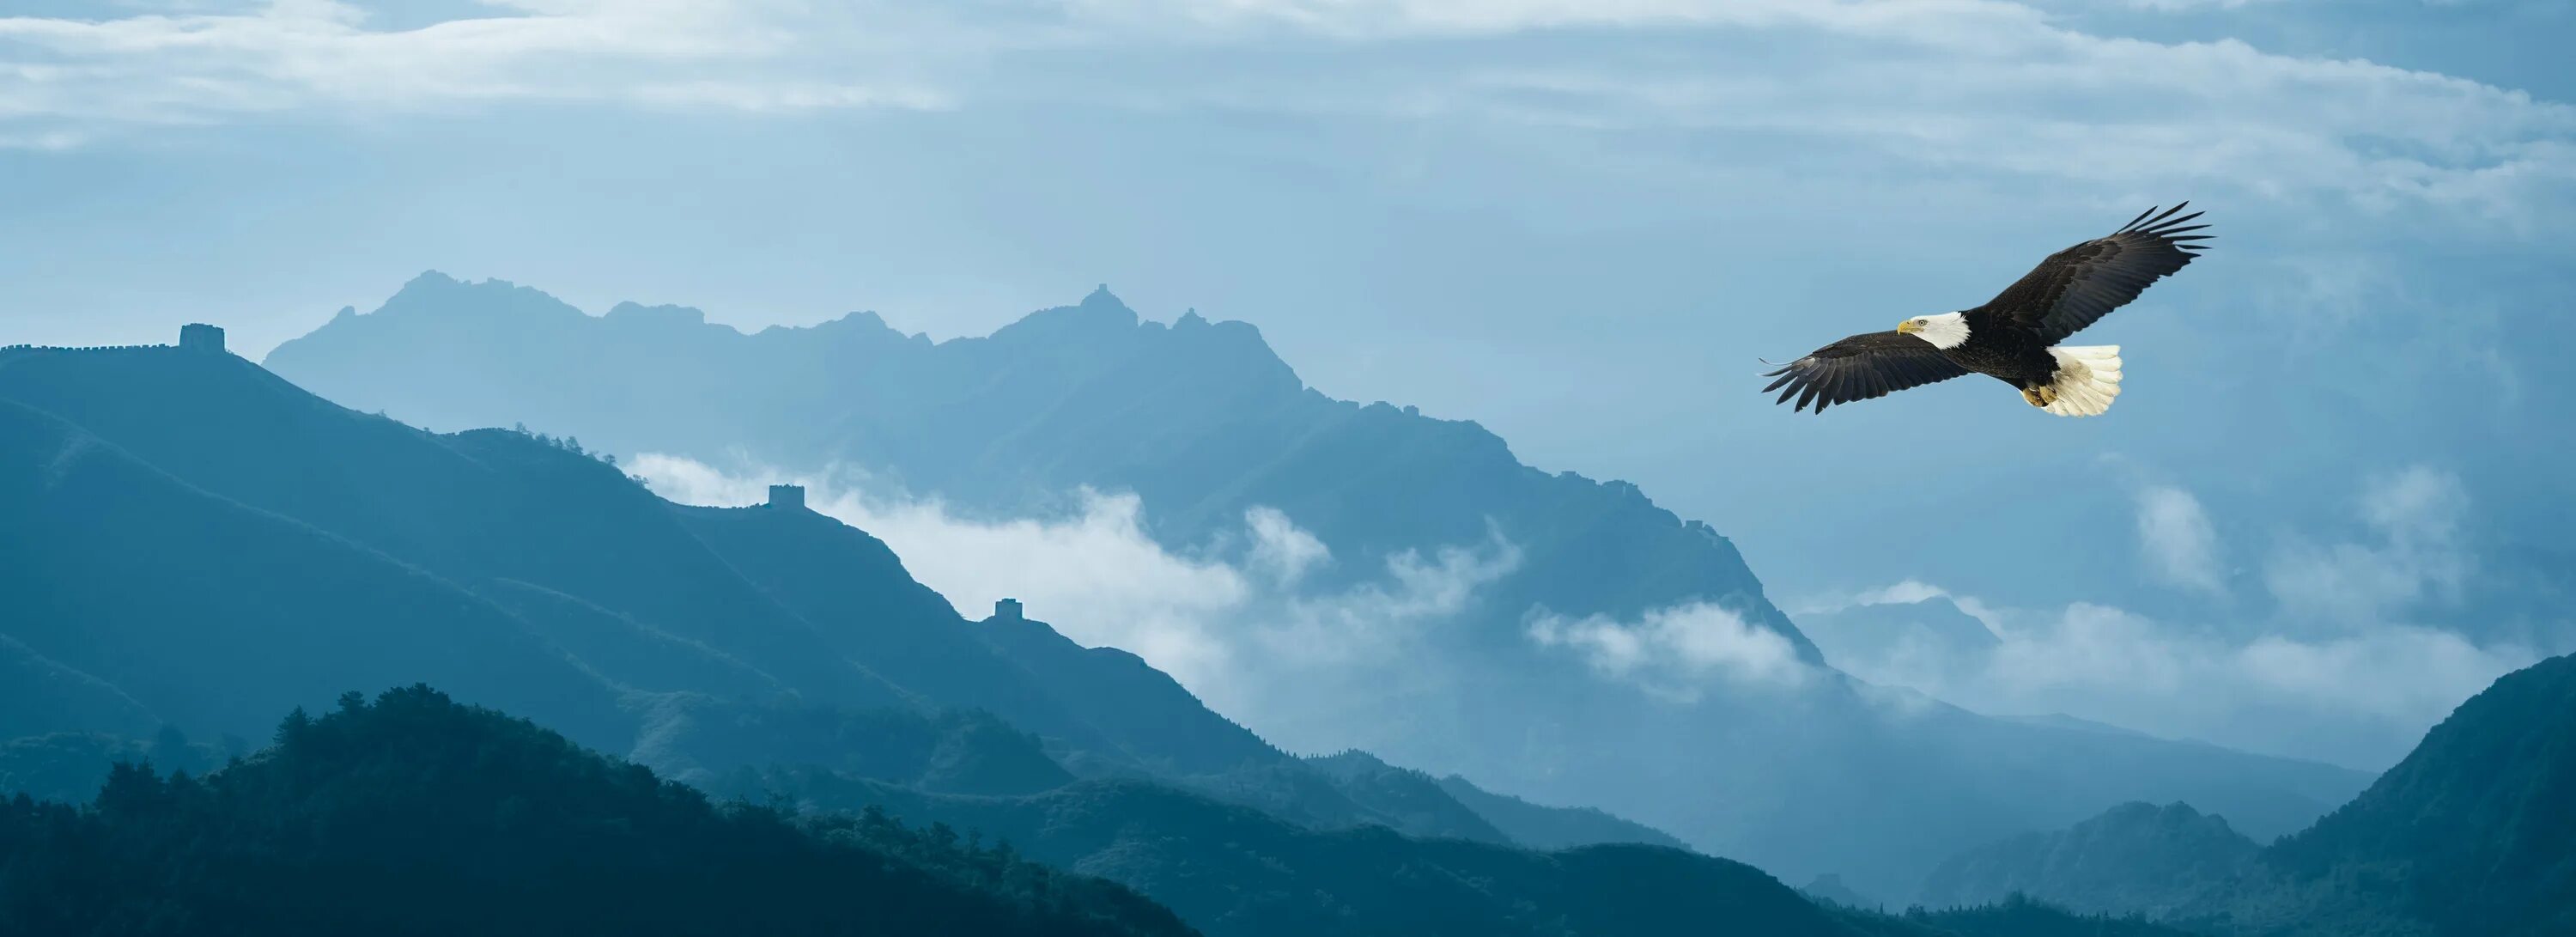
(1923, 633)
(1204, 422)
(2134, 857)
(552, 547)
(274, 544)
(1187, 386)
(2472, 835)
(1553, 827)
(134, 575)
(1239, 872)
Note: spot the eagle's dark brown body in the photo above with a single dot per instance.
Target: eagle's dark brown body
(2018, 357)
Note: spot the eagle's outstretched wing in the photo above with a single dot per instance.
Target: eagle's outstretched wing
(1871, 364)
(2077, 286)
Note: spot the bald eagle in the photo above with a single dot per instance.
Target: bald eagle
(2013, 337)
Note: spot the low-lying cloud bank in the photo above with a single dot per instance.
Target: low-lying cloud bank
(1676, 653)
(1234, 622)
(2328, 648)
(2335, 666)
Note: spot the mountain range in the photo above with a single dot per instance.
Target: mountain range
(195, 540)
(414, 814)
(1203, 423)
(2135, 857)
(190, 537)
(168, 564)
(2470, 835)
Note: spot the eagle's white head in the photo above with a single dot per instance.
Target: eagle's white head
(1945, 331)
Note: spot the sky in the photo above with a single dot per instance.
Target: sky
(1578, 222)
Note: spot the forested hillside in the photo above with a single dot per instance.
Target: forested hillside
(414, 815)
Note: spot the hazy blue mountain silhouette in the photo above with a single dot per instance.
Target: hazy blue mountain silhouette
(1199, 418)
(548, 548)
(1237, 872)
(1540, 827)
(68, 766)
(1931, 630)
(201, 608)
(2134, 857)
(40, 695)
(1422, 802)
(195, 540)
(949, 752)
(1203, 421)
(1830, 889)
(2474, 833)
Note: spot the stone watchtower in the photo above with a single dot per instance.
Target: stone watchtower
(1007, 610)
(787, 496)
(198, 336)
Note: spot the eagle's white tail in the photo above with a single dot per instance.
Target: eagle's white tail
(2088, 379)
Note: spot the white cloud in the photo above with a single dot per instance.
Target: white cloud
(1298, 664)
(2403, 674)
(1677, 652)
(2347, 670)
(2361, 697)
(50, 140)
(2176, 6)
(2092, 647)
(1970, 83)
(1903, 592)
(2417, 556)
(1376, 620)
(1318, 668)
(1983, 84)
(190, 66)
(1907, 591)
(2180, 545)
(1282, 548)
(2416, 505)
(1095, 574)
(1931, 20)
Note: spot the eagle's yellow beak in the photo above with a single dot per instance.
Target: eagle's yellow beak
(1908, 327)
